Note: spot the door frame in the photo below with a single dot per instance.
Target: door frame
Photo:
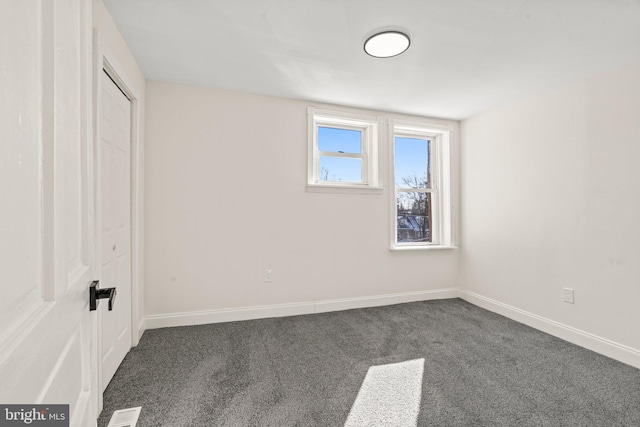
(105, 59)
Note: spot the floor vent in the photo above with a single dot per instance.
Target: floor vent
(125, 417)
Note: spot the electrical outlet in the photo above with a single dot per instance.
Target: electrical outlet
(568, 295)
(268, 275)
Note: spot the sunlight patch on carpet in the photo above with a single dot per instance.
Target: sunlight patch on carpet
(389, 396)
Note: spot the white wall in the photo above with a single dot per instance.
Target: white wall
(225, 199)
(551, 199)
(118, 54)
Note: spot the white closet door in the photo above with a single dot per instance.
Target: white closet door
(115, 185)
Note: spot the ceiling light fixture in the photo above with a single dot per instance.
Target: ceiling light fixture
(386, 44)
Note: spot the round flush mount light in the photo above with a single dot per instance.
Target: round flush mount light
(386, 44)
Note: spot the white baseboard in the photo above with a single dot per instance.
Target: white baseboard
(293, 309)
(142, 326)
(584, 339)
(380, 300)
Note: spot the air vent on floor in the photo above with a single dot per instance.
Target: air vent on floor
(125, 417)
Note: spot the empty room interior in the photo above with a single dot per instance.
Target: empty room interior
(321, 213)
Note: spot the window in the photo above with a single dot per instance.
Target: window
(420, 169)
(343, 152)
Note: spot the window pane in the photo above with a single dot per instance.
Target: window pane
(412, 166)
(340, 169)
(339, 140)
(414, 217)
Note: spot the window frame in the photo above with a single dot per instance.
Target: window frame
(368, 126)
(440, 138)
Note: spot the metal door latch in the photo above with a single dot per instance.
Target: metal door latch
(95, 294)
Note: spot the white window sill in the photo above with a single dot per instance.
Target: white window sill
(344, 189)
(422, 248)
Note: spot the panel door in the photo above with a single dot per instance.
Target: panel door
(115, 155)
(47, 230)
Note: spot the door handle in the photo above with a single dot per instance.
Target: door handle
(96, 294)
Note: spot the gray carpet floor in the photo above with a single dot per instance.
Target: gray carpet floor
(480, 369)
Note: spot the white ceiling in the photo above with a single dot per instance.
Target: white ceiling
(465, 56)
